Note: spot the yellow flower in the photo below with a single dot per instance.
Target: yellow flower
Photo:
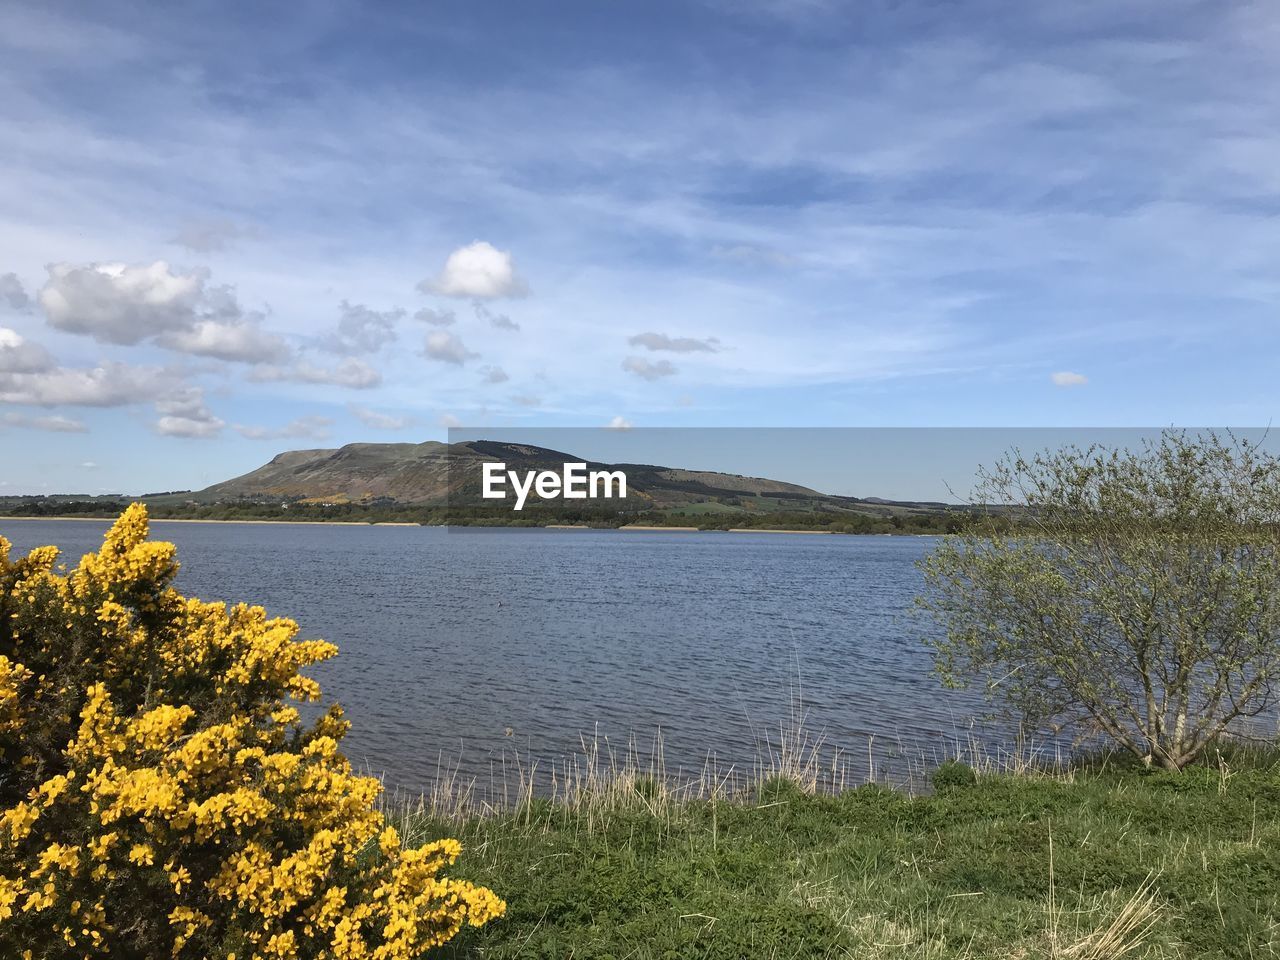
(142, 854)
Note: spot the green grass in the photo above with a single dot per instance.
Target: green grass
(1007, 866)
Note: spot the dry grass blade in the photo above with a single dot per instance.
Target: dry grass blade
(1126, 932)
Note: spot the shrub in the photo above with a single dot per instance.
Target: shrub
(1137, 598)
(951, 774)
(160, 794)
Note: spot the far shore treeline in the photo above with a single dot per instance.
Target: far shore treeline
(169, 506)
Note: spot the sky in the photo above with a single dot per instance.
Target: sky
(231, 229)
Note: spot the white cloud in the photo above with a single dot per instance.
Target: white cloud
(53, 424)
(437, 318)
(527, 400)
(618, 423)
(352, 373)
(449, 421)
(363, 330)
(660, 341)
(18, 355)
(478, 270)
(312, 428)
(119, 303)
(12, 293)
(447, 348)
(377, 420)
(648, 369)
(127, 304)
(108, 385)
(241, 342)
(494, 375)
(184, 414)
(211, 236)
(189, 427)
(498, 320)
(1065, 378)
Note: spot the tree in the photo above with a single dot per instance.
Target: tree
(160, 794)
(1135, 595)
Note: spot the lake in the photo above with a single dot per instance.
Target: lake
(462, 648)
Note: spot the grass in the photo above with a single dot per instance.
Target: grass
(1101, 861)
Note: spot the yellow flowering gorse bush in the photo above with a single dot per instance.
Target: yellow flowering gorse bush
(160, 795)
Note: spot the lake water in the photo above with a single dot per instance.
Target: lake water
(461, 648)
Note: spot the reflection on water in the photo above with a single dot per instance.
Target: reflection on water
(460, 647)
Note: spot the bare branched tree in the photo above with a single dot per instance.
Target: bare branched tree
(1134, 594)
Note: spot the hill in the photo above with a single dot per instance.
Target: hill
(433, 473)
(357, 472)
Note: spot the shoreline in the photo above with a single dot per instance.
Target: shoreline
(287, 523)
(754, 530)
(644, 528)
(629, 528)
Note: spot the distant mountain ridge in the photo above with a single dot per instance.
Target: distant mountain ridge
(432, 472)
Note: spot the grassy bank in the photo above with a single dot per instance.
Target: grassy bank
(1100, 862)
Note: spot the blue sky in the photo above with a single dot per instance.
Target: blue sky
(231, 229)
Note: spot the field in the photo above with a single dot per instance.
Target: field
(1105, 861)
